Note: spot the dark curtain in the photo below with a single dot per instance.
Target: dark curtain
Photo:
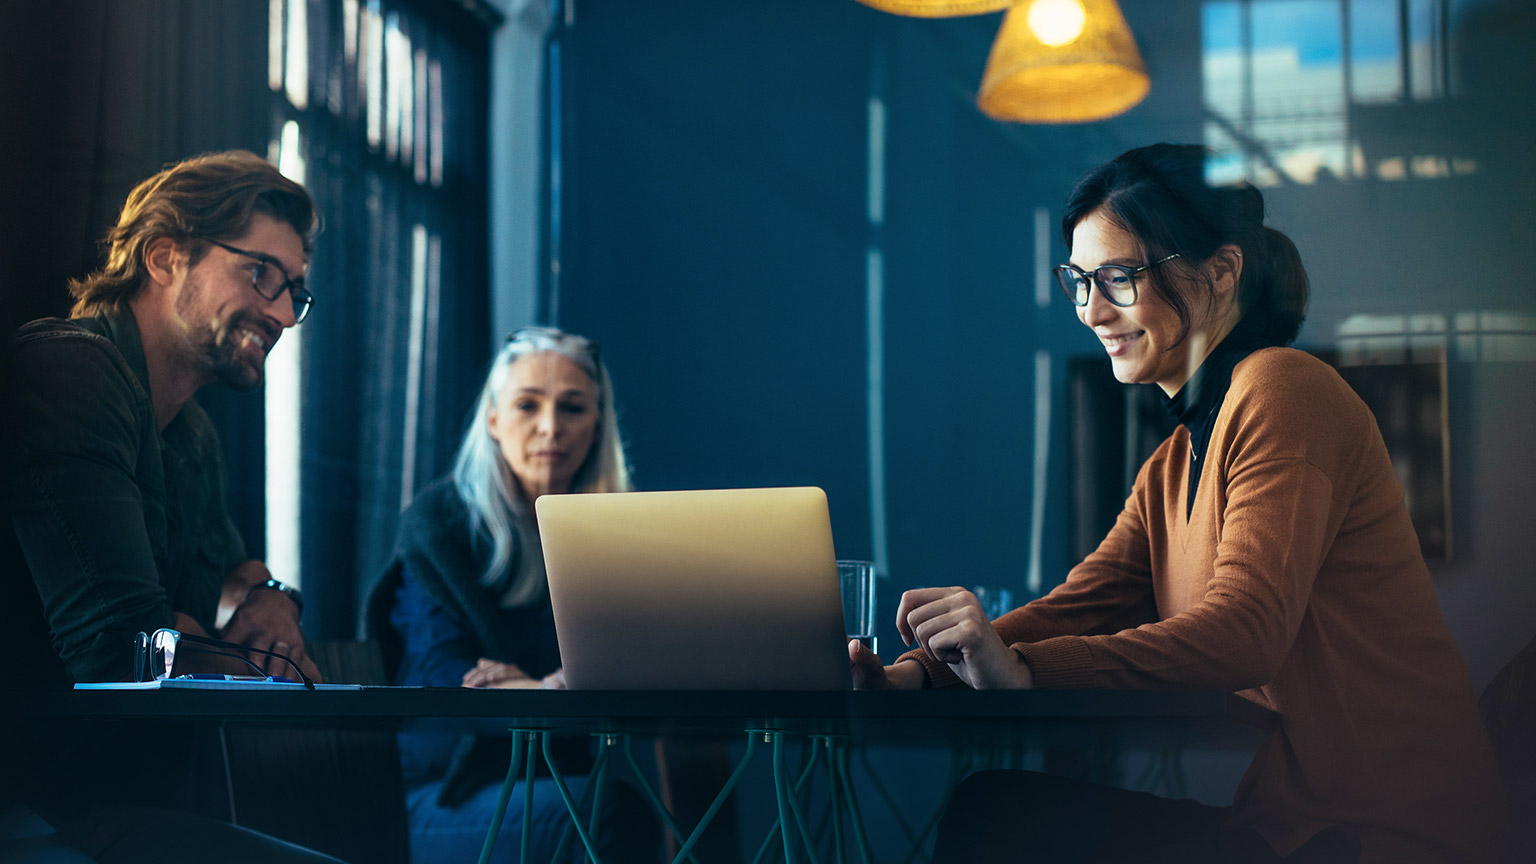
(98, 95)
(102, 93)
(400, 267)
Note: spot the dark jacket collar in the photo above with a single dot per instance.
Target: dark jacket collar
(121, 328)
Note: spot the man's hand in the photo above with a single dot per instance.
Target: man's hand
(868, 674)
(507, 676)
(267, 620)
(949, 625)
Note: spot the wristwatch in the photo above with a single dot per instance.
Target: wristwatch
(292, 592)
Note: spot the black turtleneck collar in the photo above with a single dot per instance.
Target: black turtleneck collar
(1196, 404)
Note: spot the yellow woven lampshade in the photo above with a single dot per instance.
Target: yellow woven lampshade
(1063, 61)
(938, 8)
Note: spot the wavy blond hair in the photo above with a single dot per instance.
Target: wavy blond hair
(212, 196)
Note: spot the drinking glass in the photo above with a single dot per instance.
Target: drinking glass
(857, 579)
(995, 600)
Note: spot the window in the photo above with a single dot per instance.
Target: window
(1304, 91)
(380, 108)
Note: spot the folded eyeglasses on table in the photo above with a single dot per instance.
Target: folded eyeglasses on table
(154, 655)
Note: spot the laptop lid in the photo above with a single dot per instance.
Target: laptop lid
(731, 589)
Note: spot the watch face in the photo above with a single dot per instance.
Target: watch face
(292, 592)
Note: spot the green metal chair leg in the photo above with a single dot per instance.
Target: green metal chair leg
(501, 800)
(570, 804)
(730, 784)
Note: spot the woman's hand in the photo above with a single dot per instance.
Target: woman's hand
(868, 674)
(949, 625)
(490, 673)
(508, 676)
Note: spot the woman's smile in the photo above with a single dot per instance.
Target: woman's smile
(1118, 344)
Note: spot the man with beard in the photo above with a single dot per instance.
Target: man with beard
(114, 492)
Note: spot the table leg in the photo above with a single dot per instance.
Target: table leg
(914, 840)
(840, 759)
(730, 784)
(501, 800)
(599, 780)
(782, 793)
(529, 770)
(836, 799)
(650, 795)
(800, 784)
(586, 804)
(570, 804)
(961, 761)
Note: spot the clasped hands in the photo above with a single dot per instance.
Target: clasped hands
(491, 673)
(948, 624)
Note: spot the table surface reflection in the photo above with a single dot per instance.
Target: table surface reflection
(1010, 717)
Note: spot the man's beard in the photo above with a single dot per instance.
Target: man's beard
(214, 345)
(226, 360)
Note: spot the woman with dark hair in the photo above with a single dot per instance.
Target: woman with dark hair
(1265, 548)
(465, 602)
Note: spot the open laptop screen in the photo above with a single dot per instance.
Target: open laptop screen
(732, 589)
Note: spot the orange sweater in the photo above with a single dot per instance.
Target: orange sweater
(1297, 581)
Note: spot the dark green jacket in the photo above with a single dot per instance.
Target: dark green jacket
(112, 525)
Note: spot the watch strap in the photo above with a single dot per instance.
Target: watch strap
(292, 592)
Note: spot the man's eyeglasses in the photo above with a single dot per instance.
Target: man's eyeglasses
(154, 655)
(270, 280)
(1117, 284)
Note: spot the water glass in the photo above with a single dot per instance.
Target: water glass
(857, 579)
(995, 601)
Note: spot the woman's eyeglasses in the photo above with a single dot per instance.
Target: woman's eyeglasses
(154, 655)
(1117, 284)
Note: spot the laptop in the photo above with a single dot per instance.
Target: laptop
(729, 589)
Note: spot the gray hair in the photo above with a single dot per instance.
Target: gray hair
(497, 504)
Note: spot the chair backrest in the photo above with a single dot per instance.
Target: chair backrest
(1508, 706)
(347, 662)
(338, 791)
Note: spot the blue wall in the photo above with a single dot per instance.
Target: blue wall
(715, 231)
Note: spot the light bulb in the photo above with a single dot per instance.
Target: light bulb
(1056, 22)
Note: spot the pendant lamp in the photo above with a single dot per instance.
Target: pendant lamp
(938, 8)
(1063, 61)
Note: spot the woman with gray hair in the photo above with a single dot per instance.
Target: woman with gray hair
(544, 423)
(465, 602)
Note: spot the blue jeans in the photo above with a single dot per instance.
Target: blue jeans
(454, 835)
